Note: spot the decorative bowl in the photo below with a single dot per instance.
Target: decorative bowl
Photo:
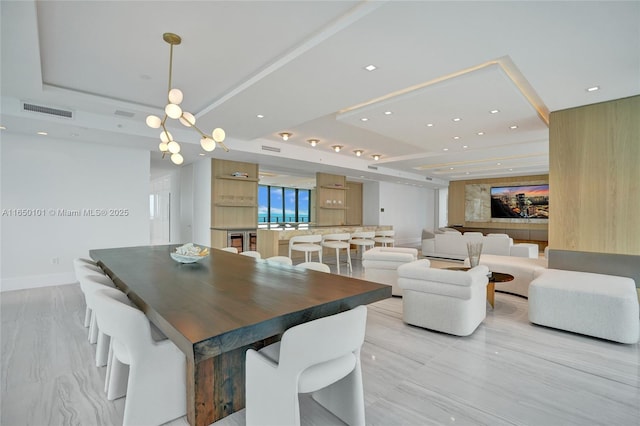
(182, 258)
(189, 253)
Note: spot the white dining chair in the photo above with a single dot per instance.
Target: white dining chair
(307, 244)
(363, 241)
(315, 266)
(89, 284)
(279, 259)
(385, 238)
(321, 357)
(156, 387)
(339, 242)
(251, 253)
(82, 267)
(82, 271)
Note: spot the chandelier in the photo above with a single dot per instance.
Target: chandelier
(174, 111)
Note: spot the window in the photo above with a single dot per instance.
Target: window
(283, 205)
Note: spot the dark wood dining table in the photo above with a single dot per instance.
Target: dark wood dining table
(216, 309)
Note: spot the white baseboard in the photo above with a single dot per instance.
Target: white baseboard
(36, 281)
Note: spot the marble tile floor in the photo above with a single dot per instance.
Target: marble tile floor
(509, 372)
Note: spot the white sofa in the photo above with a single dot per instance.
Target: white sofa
(380, 265)
(453, 245)
(524, 270)
(453, 302)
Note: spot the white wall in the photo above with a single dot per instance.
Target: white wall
(370, 203)
(202, 202)
(45, 176)
(186, 203)
(408, 209)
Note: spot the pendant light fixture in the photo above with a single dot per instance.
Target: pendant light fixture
(174, 111)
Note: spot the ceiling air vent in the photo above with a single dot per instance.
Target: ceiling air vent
(47, 110)
(124, 113)
(373, 167)
(270, 148)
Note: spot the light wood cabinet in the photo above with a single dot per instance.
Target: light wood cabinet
(234, 200)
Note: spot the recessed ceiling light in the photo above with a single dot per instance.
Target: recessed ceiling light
(466, 173)
(465, 146)
(388, 113)
(370, 67)
(480, 133)
(3, 128)
(337, 148)
(456, 137)
(513, 127)
(313, 142)
(510, 170)
(376, 157)
(358, 152)
(364, 119)
(285, 136)
(445, 149)
(260, 116)
(498, 164)
(201, 154)
(494, 111)
(43, 133)
(450, 168)
(430, 125)
(593, 89)
(456, 119)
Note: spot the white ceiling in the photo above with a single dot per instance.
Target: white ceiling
(301, 65)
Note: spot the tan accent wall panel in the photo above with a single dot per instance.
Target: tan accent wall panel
(354, 203)
(594, 177)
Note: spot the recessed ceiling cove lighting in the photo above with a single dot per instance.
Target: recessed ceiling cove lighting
(494, 111)
(370, 67)
(593, 89)
(388, 113)
(456, 119)
(43, 133)
(364, 119)
(513, 127)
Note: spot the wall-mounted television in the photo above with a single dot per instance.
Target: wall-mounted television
(520, 202)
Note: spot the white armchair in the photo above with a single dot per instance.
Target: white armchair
(381, 263)
(450, 301)
(321, 357)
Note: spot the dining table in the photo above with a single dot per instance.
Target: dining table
(223, 304)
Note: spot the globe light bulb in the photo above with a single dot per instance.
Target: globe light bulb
(163, 147)
(218, 134)
(175, 96)
(208, 144)
(174, 147)
(174, 111)
(153, 121)
(166, 136)
(177, 158)
(187, 119)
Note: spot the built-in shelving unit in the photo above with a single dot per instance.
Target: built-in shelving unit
(331, 199)
(234, 199)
